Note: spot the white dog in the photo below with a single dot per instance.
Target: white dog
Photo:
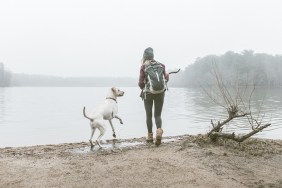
(106, 111)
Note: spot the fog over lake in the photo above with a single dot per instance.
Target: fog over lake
(107, 38)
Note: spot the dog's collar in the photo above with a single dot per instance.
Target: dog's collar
(112, 99)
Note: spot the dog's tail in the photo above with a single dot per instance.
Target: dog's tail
(86, 115)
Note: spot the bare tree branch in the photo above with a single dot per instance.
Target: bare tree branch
(232, 136)
(236, 107)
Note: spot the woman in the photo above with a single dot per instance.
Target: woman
(150, 97)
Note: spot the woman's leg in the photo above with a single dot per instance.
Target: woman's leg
(158, 102)
(148, 103)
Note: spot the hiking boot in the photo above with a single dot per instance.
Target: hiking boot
(150, 138)
(159, 136)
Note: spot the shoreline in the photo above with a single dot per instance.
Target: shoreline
(180, 161)
(140, 139)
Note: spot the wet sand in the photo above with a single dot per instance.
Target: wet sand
(182, 161)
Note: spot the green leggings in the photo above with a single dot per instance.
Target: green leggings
(158, 101)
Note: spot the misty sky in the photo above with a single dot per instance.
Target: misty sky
(108, 37)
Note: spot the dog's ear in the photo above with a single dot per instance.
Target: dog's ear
(113, 89)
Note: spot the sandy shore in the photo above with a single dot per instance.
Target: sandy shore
(184, 161)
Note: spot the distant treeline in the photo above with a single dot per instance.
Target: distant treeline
(55, 81)
(235, 68)
(5, 76)
(246, 67)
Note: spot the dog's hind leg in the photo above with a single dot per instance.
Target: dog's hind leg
(114, 133)
(102, 132)
(92, 133)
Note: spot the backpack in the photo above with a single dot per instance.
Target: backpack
(154, 73)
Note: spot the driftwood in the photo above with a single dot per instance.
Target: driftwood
(232, 136)
(236, 108)
(233, 113)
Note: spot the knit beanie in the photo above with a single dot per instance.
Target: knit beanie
(148, 54)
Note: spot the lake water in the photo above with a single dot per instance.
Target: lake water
(51, 115)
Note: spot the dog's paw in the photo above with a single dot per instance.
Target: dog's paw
(114, 135)
(98, 144)
(91, 143)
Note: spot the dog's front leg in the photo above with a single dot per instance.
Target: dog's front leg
(114, 133)
(120, 120)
